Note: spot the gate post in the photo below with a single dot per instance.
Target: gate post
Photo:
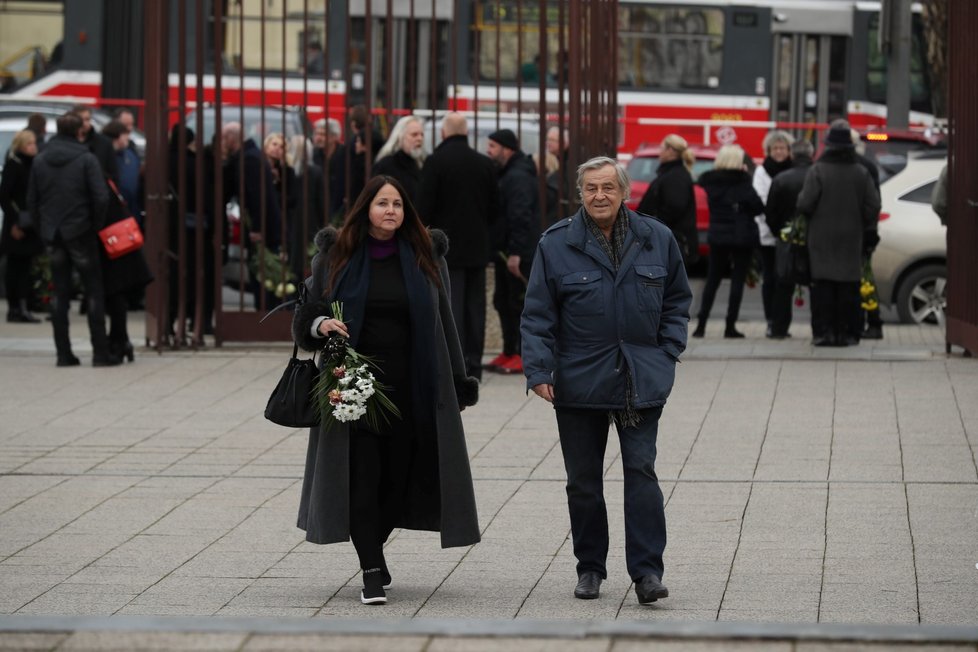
(156, 92)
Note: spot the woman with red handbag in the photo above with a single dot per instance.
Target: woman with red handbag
(126, 274)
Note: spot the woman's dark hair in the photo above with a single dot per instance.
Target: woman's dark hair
(353, 234)
(114, 129)
(175, 135)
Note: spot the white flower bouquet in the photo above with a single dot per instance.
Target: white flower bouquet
(347, 391)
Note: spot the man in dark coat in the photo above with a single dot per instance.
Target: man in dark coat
(782, 200)
(459, 195)
(514, 236)
(68, 198)
(842, 207)
(606, 316)
(871, 318)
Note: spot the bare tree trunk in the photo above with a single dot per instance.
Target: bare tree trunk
(935, 33)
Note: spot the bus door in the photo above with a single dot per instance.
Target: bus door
(809, 81)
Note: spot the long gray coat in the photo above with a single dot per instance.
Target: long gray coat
(324, 508)
(841, 204)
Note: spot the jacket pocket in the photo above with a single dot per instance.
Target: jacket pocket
(581, 293)
(650, 281)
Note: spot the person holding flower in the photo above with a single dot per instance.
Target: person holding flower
(409, 469)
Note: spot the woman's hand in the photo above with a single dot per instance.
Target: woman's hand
(331, 325)
(16, 232)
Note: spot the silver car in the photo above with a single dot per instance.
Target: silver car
(910, 263)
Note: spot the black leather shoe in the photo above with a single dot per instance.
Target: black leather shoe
(822, 341)
(733, 334)
(68, 361)
(588, 586)
(649, 589)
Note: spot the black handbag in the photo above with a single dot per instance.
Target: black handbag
(791, 262)
(292, 404)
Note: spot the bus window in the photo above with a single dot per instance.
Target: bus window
(876, 67)
(669, 47)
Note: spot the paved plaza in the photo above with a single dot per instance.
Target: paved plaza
(808, 491)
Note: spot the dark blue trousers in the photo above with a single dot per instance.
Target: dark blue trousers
(583, 439)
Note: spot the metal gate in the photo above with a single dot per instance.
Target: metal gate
(228, 243)
(962, 227)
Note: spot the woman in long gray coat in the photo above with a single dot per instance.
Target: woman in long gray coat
(413, 471)
(842, 206)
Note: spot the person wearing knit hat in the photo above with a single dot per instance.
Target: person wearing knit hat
(506, 138)
(515, 234)
(842, 206)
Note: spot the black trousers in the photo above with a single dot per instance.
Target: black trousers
(507, 299)
(18, 281)
(379, 471)
(469, 310)
(81, 254)
(721, 258)
(117, 307)
(836, 312)
(781, 306)
(769, 281)
(583, 439)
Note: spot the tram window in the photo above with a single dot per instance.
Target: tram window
(876, 67)
(669, 47)
(34, 46)
(515, 56)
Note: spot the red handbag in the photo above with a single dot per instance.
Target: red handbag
(121, 238)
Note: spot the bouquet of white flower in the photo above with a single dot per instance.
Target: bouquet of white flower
(347, 390)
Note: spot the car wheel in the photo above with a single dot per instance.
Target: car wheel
(922, 296)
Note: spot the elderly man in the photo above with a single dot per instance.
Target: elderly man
(604, 322)
(329, 155)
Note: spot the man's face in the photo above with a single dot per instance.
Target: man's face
(413, 138)
(496, 152)
(319, 137)
(601, 194)
(127, 119)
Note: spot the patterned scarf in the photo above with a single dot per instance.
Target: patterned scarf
(613, 248)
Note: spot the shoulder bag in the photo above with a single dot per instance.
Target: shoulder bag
(292, 403)
(122, 237)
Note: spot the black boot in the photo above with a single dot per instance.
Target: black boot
(700, 330)
(105, 359)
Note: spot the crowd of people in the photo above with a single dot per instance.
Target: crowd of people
(56, 195)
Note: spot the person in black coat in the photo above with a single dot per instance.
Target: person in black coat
(670, 196)
(67, 198)
(122, 276)
(402, 156)
(515, 235)
(411, 471)
(96, 143)
(460, 196)
(780, 209)
(732, 235)
(19, 242)
(329, 155)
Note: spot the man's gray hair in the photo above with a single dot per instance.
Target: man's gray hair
(331, 125)
(597, 163)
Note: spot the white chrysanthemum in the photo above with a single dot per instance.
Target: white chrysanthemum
(368, 391)
(350, 396)
(345, 380)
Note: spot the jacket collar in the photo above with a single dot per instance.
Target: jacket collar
(580, 238)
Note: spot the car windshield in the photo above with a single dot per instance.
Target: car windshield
(890, 155)
(644, 168)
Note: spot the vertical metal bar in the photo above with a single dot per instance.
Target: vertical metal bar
(455, 54)
(327, 163)
(198, 336)
(574, 83)
(368, 86)
(519, 70)
(155, 28)
(563, 192)
(433, 76)
(262, 184)
(542, 86)
(348, 162)
(180, 331)
(476, 74)
(285, 249)
(219, 211)
(389, 64)
(499, 102)
(244, 219)
(612, 81)
(304, 208)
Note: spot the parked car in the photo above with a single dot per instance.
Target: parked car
(910, 263)
(15, 110)
(890, 149)
(642, 169)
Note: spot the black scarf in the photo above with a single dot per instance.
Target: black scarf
(773, 168)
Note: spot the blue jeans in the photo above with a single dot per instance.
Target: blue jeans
(583, 439)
